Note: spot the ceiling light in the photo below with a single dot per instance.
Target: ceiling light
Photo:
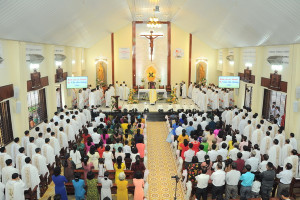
(276, 67)
(220, 61)
(248, 64)
(73, 62)
(153, 23)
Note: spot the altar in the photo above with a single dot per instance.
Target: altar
(153, 94)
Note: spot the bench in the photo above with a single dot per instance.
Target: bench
(129, 174)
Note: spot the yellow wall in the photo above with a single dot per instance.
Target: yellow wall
(17, 72)
(262, 69)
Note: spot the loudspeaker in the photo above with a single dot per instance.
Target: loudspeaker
(296, 106)
(16, 92)
(18, 106)
(298, 92)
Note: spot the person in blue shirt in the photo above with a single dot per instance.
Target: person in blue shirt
(79, 187)
(247, 180)
(190, 128)
(174, 126)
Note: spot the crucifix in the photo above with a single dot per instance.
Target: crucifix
(151, 37)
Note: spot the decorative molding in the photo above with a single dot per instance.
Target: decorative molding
(6, 92)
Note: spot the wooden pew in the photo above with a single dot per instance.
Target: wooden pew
(71, 191)
(129, 174)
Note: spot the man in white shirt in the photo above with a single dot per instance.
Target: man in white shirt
(213, 153)
(202, 183)
(223, 151)
(179, 129)
(232, 181)
(218, 182)
(188, 155)
(293, 141)
(253, 162)
(96, 137)
(200, 154)
(263, 165)
(233, 152)
(285, 179)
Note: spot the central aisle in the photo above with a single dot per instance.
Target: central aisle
(161, 164)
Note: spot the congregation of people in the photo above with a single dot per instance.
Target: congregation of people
(233, 154)
(87, 146)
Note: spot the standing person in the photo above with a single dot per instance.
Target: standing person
(256, 187)
(30, 175)
(232, 181)
(247, 180)
(108, 156)
(93, 157)
(138, 182)
(78, 185)
(69, 167)
(218, 182)
(86, 166)
(122, 191)
(202, 183)
(190, 90)
(285, 177)
(106, 186)
(92, 192)
(76, 157)
(188, 155)
(14, 189)
(183, 90)
(267, 178)
(119, 167)
(59, 182)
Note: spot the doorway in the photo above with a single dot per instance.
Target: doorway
(248, 96)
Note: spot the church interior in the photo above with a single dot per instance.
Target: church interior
(156, 76)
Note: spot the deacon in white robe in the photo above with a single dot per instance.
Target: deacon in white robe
(48, 152)
(275, 153)
(30, 175)
(14, 189)
(55, 144)
(286, 151)
(257, 136)
(294, 160)
(8, 171)
(62, 138)
(265, 144)
(15, 149)
(190, 90)
(20, 159)
(126, 93)
(183, 90)
(40, 162)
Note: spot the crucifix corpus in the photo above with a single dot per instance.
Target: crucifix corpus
(151, 37)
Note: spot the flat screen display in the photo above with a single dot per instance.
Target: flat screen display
(229, 82)
(77, 82)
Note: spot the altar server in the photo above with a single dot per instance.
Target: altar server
(30, 175)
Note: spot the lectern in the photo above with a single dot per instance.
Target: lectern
(116, 106)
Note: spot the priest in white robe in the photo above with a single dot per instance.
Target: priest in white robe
(30, 175)
(55, 144)
(205, 101)
(15, 149)
(257, 136)
(265, 144)
(215, 100)
(87, 114)
(40, 141)
(40, 162)
(229, 117)
(280, 138)
(8, 171)
(293, 141)
(126, 93)
(235, 121)
(74, 98)
(226, 100)
(48, 152)
(190, 90)
(243, 123)
(286, 151)
(70, 131)
(183, 90)
(83, 118)
(2, 189)
(177, 88)
(294, 160)
(275, 153)
(31, 147)
(108, 95)
(20, 159)
(62, 138)
(25, 140)
(85, 93)
(121, 91)
(92, 98)
(248, 130)
(117, 88)
(14, 189)
(80, 99)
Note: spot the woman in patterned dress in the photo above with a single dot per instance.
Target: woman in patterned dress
(194, 169)
(92, 191)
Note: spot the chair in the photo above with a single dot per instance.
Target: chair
(31, 194)
(161, 87)
(141, 87)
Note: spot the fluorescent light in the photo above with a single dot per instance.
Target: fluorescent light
(58, 63)
(34, 66)
(277, 67)
(231, 62)
(82, 61)
(220, 61)
(248, 64)
(73, 62)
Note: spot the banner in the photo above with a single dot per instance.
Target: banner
(124, 53)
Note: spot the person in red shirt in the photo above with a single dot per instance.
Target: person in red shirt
(101, 149)
(240, 162)
(85, 135)
(196, 144)
(184, 146)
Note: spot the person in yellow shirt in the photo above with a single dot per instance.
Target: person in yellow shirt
(181, 138)
(124, 125)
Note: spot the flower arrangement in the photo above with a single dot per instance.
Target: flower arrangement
(203, 81)
(130, 97)
(173, 98)
(32, 109)
(100, 83)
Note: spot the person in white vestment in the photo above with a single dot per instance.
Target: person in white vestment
(294, 160)
(48, 152)
(85, 94)
(293, 141)
(216, 102)
(108, 95)
(87, 114)
(55, 144)
(74, 98)
(40, 141)
(20, 159)
(280, 137)
(40, 162)
(183, 90)
(117, 88)
(2, 189)
(126, 93)
(229, 117)
(92, 98)
(30, 175)
(31, 147)
(15, 149)
(248, 130)
(247, 98)
(242, 125)
(8, 171)
(34, 132)
(80, 99)
(70, 131)
(76, 157)
(177, 87)
(286, 151)
(121, 91)
(226, 100)
(190, 92)
(14, 189)
(235, 121)
(25, 140)
(257, 135)
(62, 138)
(265, 143)
(82, 117)
(275, 153)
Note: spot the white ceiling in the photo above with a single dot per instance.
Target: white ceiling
(219, 23)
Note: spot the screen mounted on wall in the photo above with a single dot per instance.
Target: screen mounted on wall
(77, 82)
(229, 82)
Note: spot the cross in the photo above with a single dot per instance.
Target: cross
(151, 37)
